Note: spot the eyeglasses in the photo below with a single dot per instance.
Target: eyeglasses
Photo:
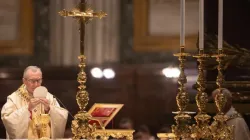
(33, 81)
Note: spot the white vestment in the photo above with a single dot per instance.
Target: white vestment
(241, 130)
(16, 117)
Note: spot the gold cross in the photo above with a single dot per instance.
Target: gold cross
(81, 13)
(80, 125)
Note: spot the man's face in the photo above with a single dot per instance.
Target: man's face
(32, 80)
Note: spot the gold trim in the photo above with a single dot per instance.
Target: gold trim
(25, 35)
(145, 42)
(166, 135)
(115, 133)
(23, 93)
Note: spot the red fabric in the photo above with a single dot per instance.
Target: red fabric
(30, 114)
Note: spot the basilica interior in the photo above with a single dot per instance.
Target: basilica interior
(129, 54)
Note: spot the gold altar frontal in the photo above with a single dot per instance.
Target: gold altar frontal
(104, 134)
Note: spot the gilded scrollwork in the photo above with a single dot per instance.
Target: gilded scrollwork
(114, 133)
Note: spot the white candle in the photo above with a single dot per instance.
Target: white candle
(182, 19)
(220, 25)
(201, 25)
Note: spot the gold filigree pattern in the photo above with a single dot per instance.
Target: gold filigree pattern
(80, 126)
(82, 96)
(115, 133)
(23, 93)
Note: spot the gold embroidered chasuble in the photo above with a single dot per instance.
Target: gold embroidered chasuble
(20, 123)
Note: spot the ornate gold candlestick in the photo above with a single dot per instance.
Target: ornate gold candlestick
(182, 128)
(220, 130)
(202, 128)
(80, 125)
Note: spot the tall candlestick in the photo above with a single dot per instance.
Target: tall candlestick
(201, 25)
(220, 25)
(182, 19)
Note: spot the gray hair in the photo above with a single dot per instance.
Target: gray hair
(225, 91)
(32, 68)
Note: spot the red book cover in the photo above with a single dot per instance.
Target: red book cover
(102, 114)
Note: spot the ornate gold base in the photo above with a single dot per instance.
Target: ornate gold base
(182, 128)
(115, 133)
(80, 126)
(202, 129)
(220, 130)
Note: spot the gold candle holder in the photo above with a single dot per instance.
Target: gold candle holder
(202, 128)
(182, 119)
(80, 125)
(220, 130)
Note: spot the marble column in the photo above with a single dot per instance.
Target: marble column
(101, 38)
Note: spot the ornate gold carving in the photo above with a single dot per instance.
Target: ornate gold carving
(80, 125)
(115, 133)
(182, 96)
(219, 128)
(182, 119)
(82, 96)
(81, 128)
(202, 129)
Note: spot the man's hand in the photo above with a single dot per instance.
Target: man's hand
(46, 103)
(33, 103)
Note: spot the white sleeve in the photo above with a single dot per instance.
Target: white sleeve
(59, 118)
(241, 130)
(15, 120)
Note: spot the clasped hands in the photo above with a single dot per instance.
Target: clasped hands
(35, 101)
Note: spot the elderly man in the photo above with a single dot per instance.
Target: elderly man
(18, 112)
(241, 131)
